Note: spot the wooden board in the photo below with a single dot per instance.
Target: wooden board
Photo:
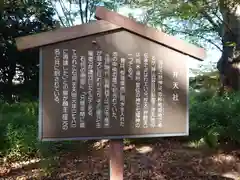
(114, 105)
(64, 34)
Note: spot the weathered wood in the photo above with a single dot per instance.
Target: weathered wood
(64, 34)
(126, 45)
(150, 33)
(116, 159)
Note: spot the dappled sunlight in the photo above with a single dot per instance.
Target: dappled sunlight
(100, 144)
(129, 147)
(178, 161)
(162, 161)
(21, 164)
(144, 149)
(233, 175)
(224, 158)
(196, 144)
(22, 170)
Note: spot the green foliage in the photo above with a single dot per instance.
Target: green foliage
(215, 119)
(230, 44)
(19, 135)
(207, 81)
(18, 127)
(197, 21)
(21, 18)
(69, 11)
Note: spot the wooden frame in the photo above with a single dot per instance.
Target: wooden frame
(64, 34)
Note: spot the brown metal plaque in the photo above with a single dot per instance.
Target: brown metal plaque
(115, 85)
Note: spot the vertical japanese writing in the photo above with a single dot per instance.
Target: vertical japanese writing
(82, 83)
(153, 92)
(82, 110)
(122, 91)
(114, 84)
(74, 88)
(130, 65)
(65, 92)
(145, 91)
(90, 83)
(175, 87)
(106, 90)
(99, 91)
(56, 73)
(160, 93)
(82, 72)
(138, 91)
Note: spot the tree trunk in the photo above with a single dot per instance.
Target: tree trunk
(229, 63)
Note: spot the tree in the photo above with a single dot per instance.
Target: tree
(202, 22)
(20, 18)
(72, 12)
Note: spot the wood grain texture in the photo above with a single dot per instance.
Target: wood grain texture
(116, 159)
(150, 33)
(64, 34)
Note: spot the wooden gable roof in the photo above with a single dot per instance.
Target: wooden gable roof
(108, 21)
(64, 34)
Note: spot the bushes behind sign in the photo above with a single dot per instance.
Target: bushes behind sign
(215, 119)
(19, 132)
(211, 119)
(18, 127)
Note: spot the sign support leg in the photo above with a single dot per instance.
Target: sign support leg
(116, 159)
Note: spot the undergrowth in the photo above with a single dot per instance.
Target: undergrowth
(213, 120)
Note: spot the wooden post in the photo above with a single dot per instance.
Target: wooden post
(116, 159)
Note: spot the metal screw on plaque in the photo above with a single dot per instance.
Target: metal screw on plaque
(95, 44)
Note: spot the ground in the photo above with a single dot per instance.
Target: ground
(166, 160)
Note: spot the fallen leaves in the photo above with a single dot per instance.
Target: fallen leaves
(162, 161)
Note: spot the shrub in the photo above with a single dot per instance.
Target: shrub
(212, 119)
(19, 134)
(215, 119)
(18, 127)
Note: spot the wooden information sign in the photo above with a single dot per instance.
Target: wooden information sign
(111, 79)
(103, 86)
